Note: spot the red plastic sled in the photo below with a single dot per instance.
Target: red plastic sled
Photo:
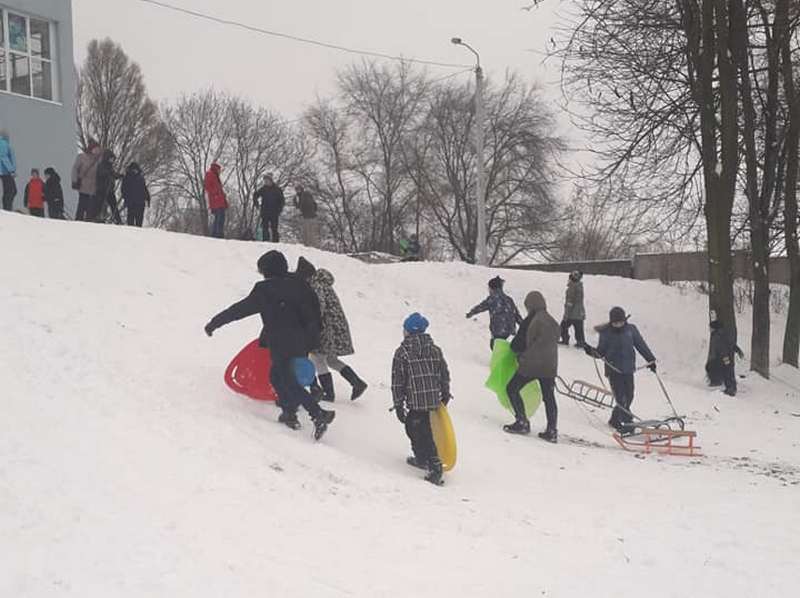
(248, 373)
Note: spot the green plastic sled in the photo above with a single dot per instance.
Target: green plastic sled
(501, 369)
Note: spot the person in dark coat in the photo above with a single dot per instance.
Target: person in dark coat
(106, 181)
(536, 346)
(305, 202)
(269, 198)
(503, 313)
(335, 339)
(53, 194)
(135, 195)
(721, 362)
(618, 344)
(291, 329)
(574, 310)
(420, 383)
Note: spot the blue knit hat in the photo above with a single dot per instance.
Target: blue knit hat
(415, 323)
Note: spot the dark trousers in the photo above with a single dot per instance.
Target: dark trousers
(290, 394)
(85, 207)
(218, 226)
(269, 227)
(578, 326)
(622, 387)
(99, 202)
(494, 338)
(55, 210)
(39, 212)
(548, 386)
(722, 371)
(418, 429)
(9, 192)
(135, 215)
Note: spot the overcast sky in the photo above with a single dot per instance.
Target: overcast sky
(179, 53)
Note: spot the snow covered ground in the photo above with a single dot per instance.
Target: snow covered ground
(127, 468)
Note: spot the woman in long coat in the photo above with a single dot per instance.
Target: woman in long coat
(335, 340)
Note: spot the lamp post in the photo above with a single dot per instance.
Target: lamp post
(480, 177)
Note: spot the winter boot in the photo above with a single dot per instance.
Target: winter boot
(435, 472)
(414, 462)
(521, 426)
(289, 419)
(549, 435)
(316, 390)
(359, 386)
(326, 381)
(321, 421)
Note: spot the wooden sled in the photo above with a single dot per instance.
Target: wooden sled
(661, 441)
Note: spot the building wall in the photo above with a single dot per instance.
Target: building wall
(43, 133)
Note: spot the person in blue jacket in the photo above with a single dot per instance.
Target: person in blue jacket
(619, 342)
(8, 170)
(503, 313)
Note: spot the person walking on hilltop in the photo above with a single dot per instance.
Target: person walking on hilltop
(34, 195)
(574, 310)
(135, 195)
(84, 179)
(617, 347)
(53, 194)
(8, 170)
(536, 346)
(503, 313)
(291, 329)
(420, 383)
(304, 201)
(217, 201)
(105, 192)
(335, 339)
(270, 200)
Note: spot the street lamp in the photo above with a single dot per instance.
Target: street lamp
(480, 183)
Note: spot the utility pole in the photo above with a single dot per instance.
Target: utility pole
(480, 175)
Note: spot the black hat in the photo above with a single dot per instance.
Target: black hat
(305, 269)
(496, 283)
(617, 314)
(273, 263)
(49, 171)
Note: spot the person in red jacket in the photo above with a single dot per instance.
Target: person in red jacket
(217, 201)
(34, 195)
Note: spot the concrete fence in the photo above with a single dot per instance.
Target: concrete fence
(667, 267)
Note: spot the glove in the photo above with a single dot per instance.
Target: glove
(400, 412)
(590, 351)
(469, 315)
(209, 329)
(446, 399)
(740, 353)
(652, 367)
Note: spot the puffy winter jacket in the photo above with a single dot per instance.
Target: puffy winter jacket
(134, 189)
(53, 193)
(8, 162)
(573, 301)
(213, 188)
(503, 313)
(272, 199)
(420, 377)
(289, 312)
(540, 356)
(84, 171)
(335, 338)
(34, 194)
(619, 345)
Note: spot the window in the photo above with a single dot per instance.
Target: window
(26, 56)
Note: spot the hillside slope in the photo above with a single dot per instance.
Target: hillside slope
(127, 468)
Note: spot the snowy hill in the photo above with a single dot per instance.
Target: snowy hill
(127, 468)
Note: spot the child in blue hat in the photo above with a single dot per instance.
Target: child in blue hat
(420, 383)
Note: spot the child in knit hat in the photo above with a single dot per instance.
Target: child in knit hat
(420, 383)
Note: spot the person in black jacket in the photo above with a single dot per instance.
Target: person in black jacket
(721, 362)
(271, 204)
(106, 180)
(53, 194)
(291, 329)
(135, 195)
